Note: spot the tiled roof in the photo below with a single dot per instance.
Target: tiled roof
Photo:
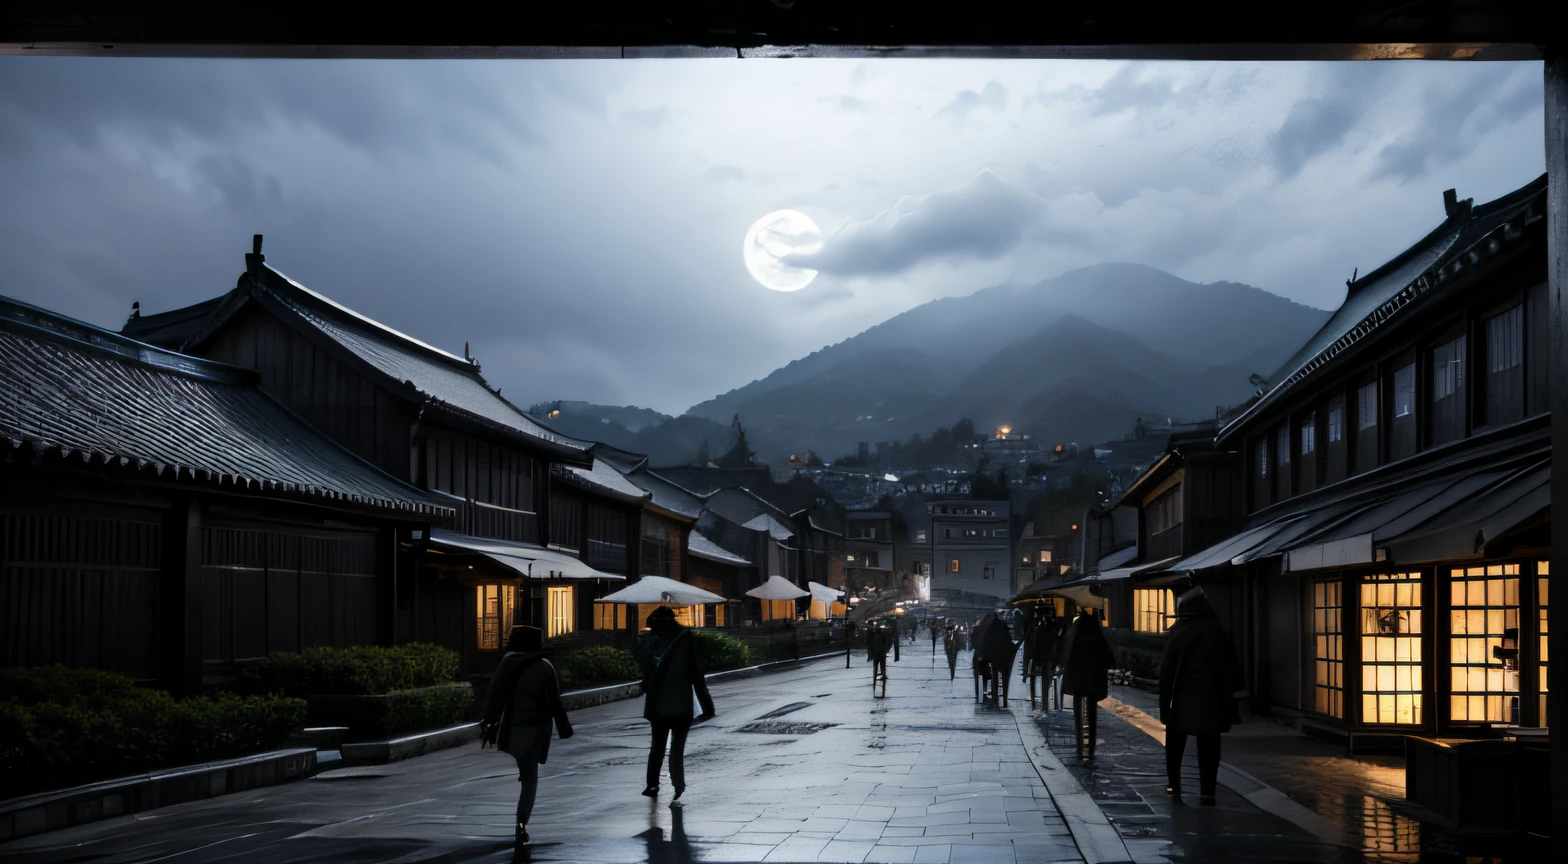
(83, 392)
(702, 547)
(432, 372)
(667, 495)
(170, 329)
(603, 478)
(1467, 236)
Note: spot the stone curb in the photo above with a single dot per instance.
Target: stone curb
(1097, 839)
(398, 749)
(35, 814)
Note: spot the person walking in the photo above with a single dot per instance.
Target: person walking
(671, 673)
(879, 640)
(1198, 689)
(934, 629)
(950, 647)
(521, 706)
(1086, 673)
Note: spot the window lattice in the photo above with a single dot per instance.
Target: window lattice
(1391, 649)
(1328, 651)
(1484, 605)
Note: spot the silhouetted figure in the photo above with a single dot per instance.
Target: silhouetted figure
(993, 660)
(671, 672)
(521, 706)
(1198, 684)
(933, 640)
(880, 639)
(950, 646)
(1040, 662)
(1086, 673)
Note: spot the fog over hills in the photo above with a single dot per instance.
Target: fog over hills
(1077, 357)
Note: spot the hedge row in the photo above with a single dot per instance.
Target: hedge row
(63, 727)
(401, 712)
(594, 666)
(364, 670)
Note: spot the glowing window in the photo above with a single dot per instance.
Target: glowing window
(1328, 648)
(1154, 609)
(1542, 570)
(1391, 648)
(560, 610)
(495, 607)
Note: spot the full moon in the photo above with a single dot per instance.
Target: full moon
(776, 236)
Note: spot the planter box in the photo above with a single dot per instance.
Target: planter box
(1468, 784)
(390, 715)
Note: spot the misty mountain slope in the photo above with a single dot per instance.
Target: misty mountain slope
(1073, 347)
(1200, 325)
(1073, 415)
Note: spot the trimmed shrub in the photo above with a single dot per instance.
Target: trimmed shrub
(1141, 662)
(362, 670)
(595, 666)
(718, 651)
(401, 712)
(64, 727)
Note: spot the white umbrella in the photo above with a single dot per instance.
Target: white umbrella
(659, 589)
(777, 588)
(825, 594)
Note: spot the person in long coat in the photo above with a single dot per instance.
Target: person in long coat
(1086, 674)
(1198, 684)
(950, 639)
(522, 707)
(671, 674)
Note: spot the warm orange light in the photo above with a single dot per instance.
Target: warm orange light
(1075, 526)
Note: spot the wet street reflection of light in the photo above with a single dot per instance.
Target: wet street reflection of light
(1386, 835)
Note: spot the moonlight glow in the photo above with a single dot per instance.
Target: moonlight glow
(775, 236)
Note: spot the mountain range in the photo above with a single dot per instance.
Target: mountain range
(1074, 358)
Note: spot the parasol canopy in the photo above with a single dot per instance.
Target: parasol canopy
(660, 589)
(825, 594)
(777, 588)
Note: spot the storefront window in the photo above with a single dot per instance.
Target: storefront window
(609, 616)
(1542, 570)
(1156, 609)
(778, 610)
(1391, 654)
(496, 605)
(561, 611)
(1328, 641)
(1484, 610)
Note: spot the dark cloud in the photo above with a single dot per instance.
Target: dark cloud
(981, 219)
(1456, 119)
(1132, 89)
(375, 107)
(993, 96)
(1314, 126)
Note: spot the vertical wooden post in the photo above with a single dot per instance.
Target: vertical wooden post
(180, 606)
(386, 585)
(1556, 88)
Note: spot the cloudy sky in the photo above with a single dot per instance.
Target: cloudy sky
(581, 222)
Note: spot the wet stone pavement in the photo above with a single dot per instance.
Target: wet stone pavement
(799, 766)
(1283, 797)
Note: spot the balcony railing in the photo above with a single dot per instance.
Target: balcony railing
(478, 519)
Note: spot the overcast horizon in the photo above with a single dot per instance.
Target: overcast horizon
(581, 223)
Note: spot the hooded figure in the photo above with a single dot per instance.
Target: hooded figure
(950, 646)
(1198, 685)
(1086, 673)
(671, 673)
(521, 706)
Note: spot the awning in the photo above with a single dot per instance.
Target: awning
(1117, 558)
(1222, 552)
(660, 589)
(824, 593)
(1444, 518)
(702, 547)
(527, 560)
(777, 588)
(1089, 590)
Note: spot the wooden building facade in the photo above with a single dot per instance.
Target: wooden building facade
(165, 518)
(540, 529)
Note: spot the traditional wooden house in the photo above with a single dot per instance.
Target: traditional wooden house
(1391, 577)
(167, 518)
(534, 508)
(870, 539)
